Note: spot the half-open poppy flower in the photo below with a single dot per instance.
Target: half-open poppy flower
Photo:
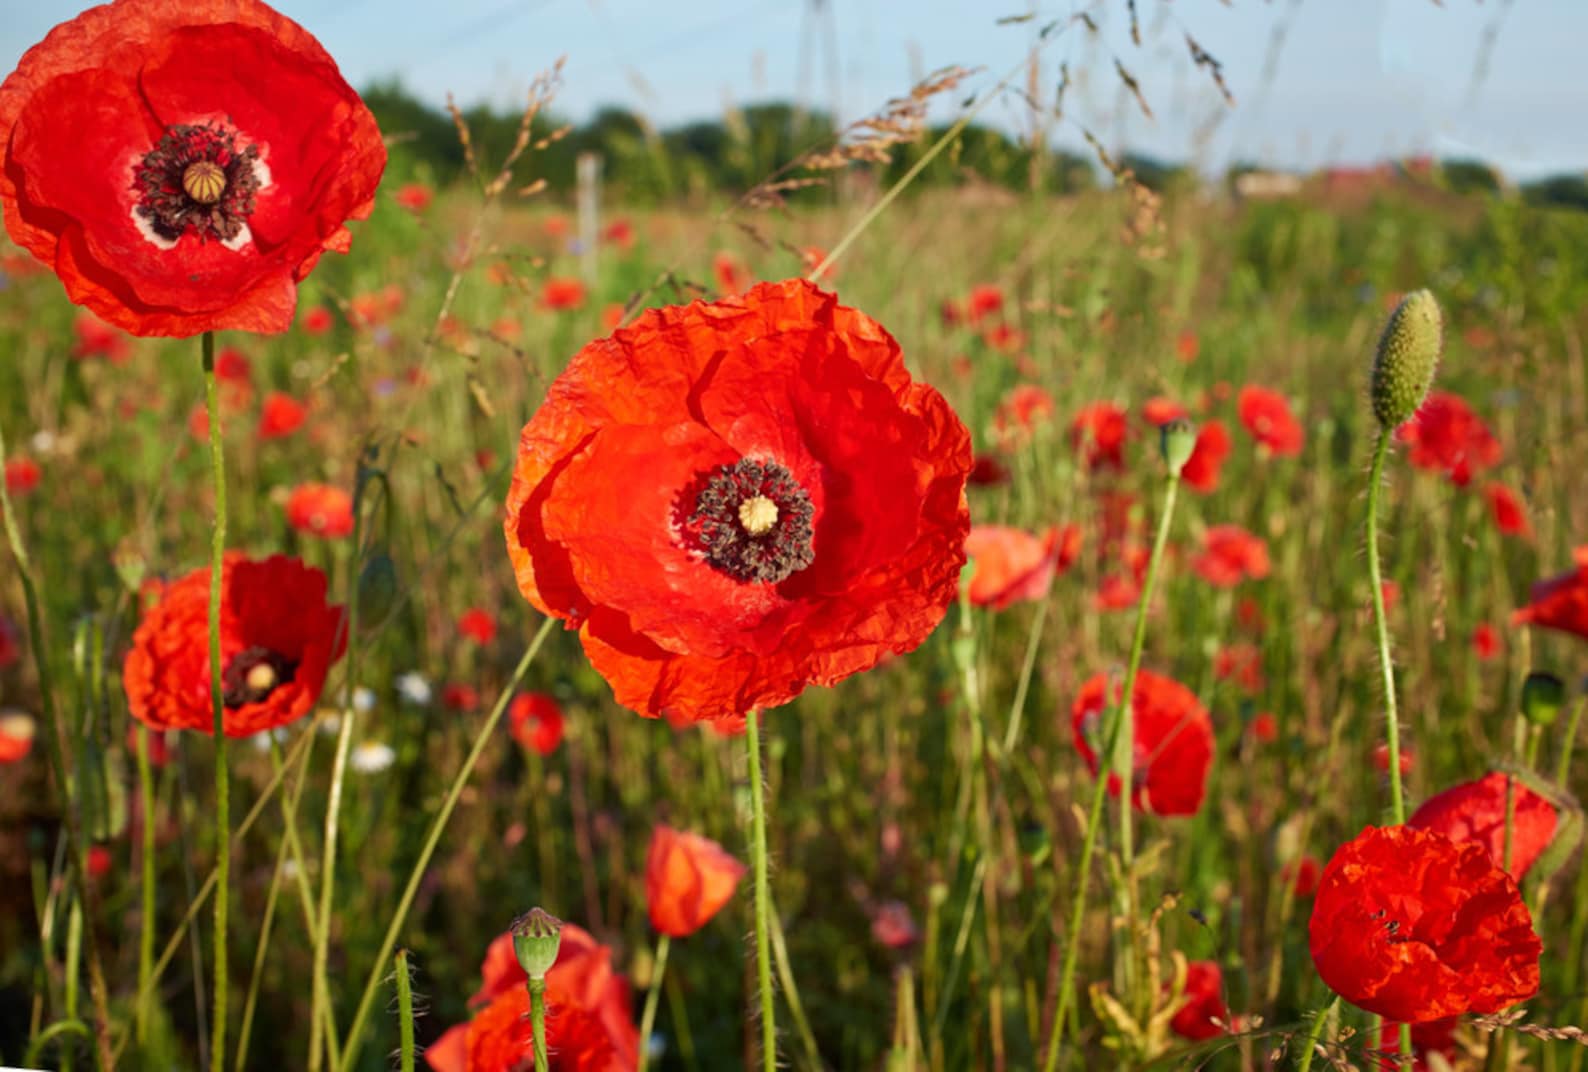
(1173, 740)
(183, 166)
(1266, 415)
(1475, 811)
(1204, 1014)
(1560, 602)
(278, 640)
(1445, 435)
(589, 1014)
(535, 721)
(1412, 926)
(1013, 565)
(688, 878)
(734, 500)
(1231, 555)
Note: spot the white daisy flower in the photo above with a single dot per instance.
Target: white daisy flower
(372, 757)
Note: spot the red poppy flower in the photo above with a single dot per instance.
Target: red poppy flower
(811, 258)
(1242, 664)
(1264, 727)
(477, 625)
(1485, 641)
(801, 515)
(183, 167)
(278, 640)
(415, 197)
(16, 736)
(536, 722)
(1266, 415)
(1099, 431)
(1204, 1014)
(688, 878)
(456, 696)
(320, 510)
(556, 226)
(733, 278)
(1381, 759)
(1021, 411)
(1509, 516)
(317, 321)
(1392, 595)
(100, 861)
(985, 299)
(1412, 926)
(10, 643)
(1201, 470)
(1012, 565)
(95, 338)
(373, 309)
(589, 1014)
(22, 475)
(1004, 338)
(1303, 874)
(1173, 746)
(620, 232)
(280, 415)
(1187, 346)
(611, 316)
(562, 293)
(1475, 811)
(1231, 555)
(1560, 602)
(1445, 435)
(1159, 411)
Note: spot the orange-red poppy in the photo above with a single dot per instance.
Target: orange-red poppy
(279, 637)
(1510, 517)
(476, 624)
(415, 197)
(22, 475)
(1475, 811)
(280, 415)
(317, 321)
(1560, 602)
(799, 512)
(320, 510)
(140, 159)
(1204, 1014)
(536, 722)
(1446, 435)
(1160, 410)
(1231, 555)
(1172, 740)
(562, 293)
(1266, 415)
(1485, 641)
(1201, 470)
(1013, 565)
(1415, 927)
(95, 338)
(1099, 432)
(688, 879)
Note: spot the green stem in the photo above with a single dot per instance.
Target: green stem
(791, 994)
(1112, 736)
(405, 1017)
(1392, 724)
(763, 950)
(146, 911)
(74, 961)
(1316, 1033)
(1563, 769)
(261, 955)
(648, 1020)
(432, 839)
(537, 1019)
(223, 854)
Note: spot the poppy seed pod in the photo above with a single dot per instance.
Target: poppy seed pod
(1177, 440)
(1407, 355)
(1543, 695)
(537, 935)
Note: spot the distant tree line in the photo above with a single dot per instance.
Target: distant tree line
(732, 154)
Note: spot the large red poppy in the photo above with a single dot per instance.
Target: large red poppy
(182, 166)
(589, 1014)
(1412, 926)
(1560, 602)
(1445, 435)
(1475, 811)
(1173, 740)
(278, 640)
(733, 500)
(1012, 565)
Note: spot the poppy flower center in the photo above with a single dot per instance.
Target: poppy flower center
(253, 674)
(197, 181)
(752, 521)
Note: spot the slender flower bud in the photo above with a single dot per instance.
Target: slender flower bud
(1408, 353)
(1177, 440)
(378, 589)
(1543, 695)
(537, 935)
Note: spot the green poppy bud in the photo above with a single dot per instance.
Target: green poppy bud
(537, 935)
(1543, 695)
(1176, 441)
(1408, 354)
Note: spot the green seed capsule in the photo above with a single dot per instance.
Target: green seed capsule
(537, 935)
(1177, 440)
(1408, 354)
(1543, 695)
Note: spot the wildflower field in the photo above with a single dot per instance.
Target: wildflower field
(754, 593)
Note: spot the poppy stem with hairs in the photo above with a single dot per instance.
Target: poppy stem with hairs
(663, 944)
(1319, 1019)
(223, 856)
(1392, 725)
(378, 969)
(405, 1016)
(57, 745)
(537, 1019)
(763, 928)
(1116, 735)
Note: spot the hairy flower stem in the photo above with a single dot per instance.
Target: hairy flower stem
(1319, 1019)
(1392, 724)
(648, 1020)
(537, 1019)
(763, 897)
(405, 1017)
(432, 839)
(1115, 735)
(57, 746)
(223, 845)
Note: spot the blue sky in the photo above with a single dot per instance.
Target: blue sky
(1355, 80)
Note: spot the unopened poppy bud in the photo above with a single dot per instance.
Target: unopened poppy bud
(1408, 354)
(377, 588)
(537, 935)
(1177, 440)
(1543, 695)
